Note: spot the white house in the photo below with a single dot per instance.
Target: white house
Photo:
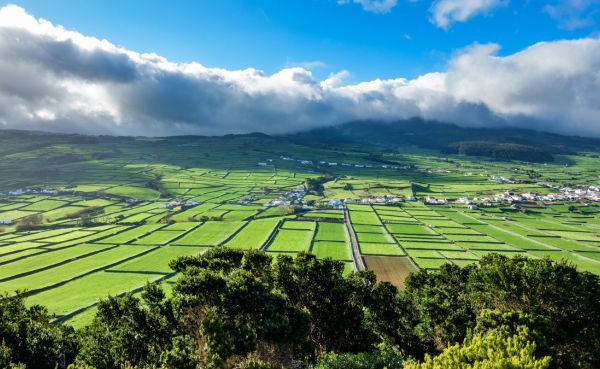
(6, 221)
(17, 192)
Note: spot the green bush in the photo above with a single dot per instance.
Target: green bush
(385, 357)
(496, 350)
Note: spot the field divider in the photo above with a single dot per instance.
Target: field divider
(359, 263)
(235, 232)
(125, 228)
(388, 231)
(29, 272)
(70, 314)
(184, 233)
(39, 247)
(312, 239)
(45, 248)
(271, 237)
(131, 242)
(91, 271)
(516, 234)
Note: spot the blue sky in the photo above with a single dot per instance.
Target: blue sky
(214, 67)
(323, 35)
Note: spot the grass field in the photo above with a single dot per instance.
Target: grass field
(212, 192)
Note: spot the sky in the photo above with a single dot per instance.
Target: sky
(213, 67)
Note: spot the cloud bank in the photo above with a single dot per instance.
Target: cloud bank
(446, 12)
(55, 79)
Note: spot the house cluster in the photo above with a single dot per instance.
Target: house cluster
(502, 179)
(293, 197)
(430, 170)
(334, 164)
(386, 199)
(21, 192)
(267, 163)
(590, 193)
(178, 202)
(464, 201)
(6, 221)
(246, 200)
(430, 200)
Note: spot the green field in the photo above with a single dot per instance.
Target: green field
(108, 231)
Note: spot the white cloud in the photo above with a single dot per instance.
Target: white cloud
(574, 14)
(446, 12)
(373, 6)
(55, 79)
(312, 64)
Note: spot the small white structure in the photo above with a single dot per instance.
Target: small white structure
(6, 221)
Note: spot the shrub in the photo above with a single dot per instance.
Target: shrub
(30, 222)
(496, 350)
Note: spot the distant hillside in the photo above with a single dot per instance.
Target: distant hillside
(497, 143)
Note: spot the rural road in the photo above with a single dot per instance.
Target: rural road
(359, 264)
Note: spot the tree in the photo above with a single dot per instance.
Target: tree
(443, 308)
(227, 302)
(565, 301)
(385, 357)
(30, 222)
(495, 350)
(27, 336)
(130, 330)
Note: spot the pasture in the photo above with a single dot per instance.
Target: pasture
(110, 225)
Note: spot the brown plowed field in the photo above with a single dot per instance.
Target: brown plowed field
(393, 269)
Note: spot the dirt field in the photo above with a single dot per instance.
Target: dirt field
(390, 269)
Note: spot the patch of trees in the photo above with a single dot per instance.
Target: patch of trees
(377, 135)
(235, 309)
(89, 216)
(315, 185)
(66, 158)
(155, 183)
(30, 222)
(29, 339)
(85, 212)
(499, 151)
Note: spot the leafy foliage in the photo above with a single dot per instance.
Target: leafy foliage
(562, 304)
(385, 357)
(495, 350)
(27, 336)
(244, 309)
(500, 151)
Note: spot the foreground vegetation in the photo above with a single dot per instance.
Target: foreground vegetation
(242, 309)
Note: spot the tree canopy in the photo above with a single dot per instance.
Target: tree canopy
(246, 309)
